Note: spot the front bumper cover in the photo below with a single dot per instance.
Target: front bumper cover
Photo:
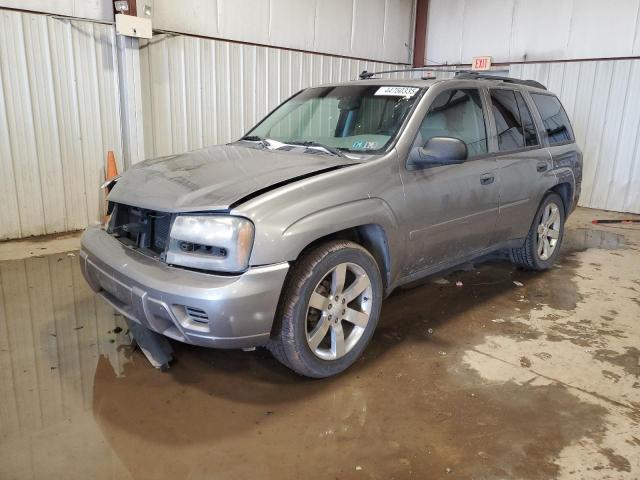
(202, 309)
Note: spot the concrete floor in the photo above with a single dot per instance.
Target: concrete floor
(487, 380)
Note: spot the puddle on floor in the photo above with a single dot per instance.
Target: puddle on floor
(78, 403)
(581, 239)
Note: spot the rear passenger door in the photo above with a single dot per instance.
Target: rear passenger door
(523, 164)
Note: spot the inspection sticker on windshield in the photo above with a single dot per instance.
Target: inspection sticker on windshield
(363, 145)
(397, 91)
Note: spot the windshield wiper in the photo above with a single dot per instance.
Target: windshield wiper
(307, 143)
(275, 145)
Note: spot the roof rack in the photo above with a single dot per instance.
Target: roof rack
(459, 74)
(366, 75)
(467, 75)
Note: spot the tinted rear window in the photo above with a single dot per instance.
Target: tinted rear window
(530, 135)
(554, 118)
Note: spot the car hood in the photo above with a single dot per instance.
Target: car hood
(215, 178)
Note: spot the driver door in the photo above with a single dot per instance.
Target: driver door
(451, 210)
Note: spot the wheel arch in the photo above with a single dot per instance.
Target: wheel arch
(370, 236)
(565, 191)
(565, 186)
(369, 223)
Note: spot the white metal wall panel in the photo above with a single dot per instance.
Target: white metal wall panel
(601, 99)
(292, 23)
(368, 27)
(335, 16)
(544, 38)
(201, 92)
(523, 30)
(377, 29)
(486, 27)
(444, 31)
(20, 119)
(59, 114)
(397, 43)
(603, 29)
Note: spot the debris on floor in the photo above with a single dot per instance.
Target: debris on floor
(155, 347)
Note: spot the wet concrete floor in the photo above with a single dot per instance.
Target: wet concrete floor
(492, 379)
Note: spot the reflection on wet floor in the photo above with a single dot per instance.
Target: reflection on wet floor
(53, 331)
(78, 403)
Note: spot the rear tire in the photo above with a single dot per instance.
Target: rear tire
(542, 245)
(328, 310)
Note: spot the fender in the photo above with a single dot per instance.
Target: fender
(304, 231)
(565, 175)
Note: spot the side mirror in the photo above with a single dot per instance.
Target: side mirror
(441, 151)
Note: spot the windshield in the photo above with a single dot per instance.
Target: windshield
(354, 118)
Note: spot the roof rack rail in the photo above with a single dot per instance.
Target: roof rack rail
(467, 75)
(366, 75)
(459, 74)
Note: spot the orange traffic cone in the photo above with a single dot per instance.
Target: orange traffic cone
(112, 169)
(111, 172)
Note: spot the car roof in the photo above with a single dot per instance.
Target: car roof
(425, 83)
(413, 82)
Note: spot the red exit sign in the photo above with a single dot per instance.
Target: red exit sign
(481, 63)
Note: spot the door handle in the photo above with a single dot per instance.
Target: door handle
(487, 179)
(542, 167)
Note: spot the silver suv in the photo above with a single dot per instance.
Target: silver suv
(290, 237)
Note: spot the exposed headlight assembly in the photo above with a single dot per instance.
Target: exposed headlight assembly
(211, 242)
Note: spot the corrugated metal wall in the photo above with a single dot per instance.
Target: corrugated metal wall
(602, 100)
(60, 111)
(201, 92)
(59, 114)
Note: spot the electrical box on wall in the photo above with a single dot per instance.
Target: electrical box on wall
(132, 26)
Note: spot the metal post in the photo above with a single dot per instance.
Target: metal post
(130, 100)
(420, 34)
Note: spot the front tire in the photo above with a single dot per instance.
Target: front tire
(328, 311)
(542, 245)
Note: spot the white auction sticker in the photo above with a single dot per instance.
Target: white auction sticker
(397, 91)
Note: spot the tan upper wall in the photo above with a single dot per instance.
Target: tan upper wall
(380, 30)
(519, 30)
(101, 10)
(373, 29)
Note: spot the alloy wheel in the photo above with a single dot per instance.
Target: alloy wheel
(338, 311)
(548, 231)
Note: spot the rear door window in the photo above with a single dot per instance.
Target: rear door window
(554, 118)
(514, 126)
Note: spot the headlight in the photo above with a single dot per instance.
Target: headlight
(211, 242)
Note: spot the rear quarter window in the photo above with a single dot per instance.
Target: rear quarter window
(554, 118)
